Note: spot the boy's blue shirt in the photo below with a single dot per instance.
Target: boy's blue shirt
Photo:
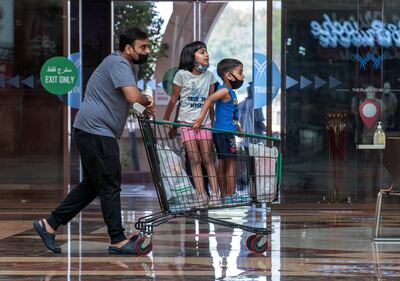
(226, 113)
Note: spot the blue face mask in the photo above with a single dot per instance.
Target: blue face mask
(200, 68)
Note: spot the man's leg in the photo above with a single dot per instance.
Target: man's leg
(76, 200)
(79, 197)
(109, 188)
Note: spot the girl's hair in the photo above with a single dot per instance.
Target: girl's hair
(227, 65)
(186, 60)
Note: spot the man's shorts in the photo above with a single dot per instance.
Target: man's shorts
(225, 145)
(189, 133)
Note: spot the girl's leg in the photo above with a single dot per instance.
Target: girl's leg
(231, 176)
(208, 161)
(192, 149)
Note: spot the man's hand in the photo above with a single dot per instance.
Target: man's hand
(197, 123)
(150, 107)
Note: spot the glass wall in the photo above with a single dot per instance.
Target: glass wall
(319, 74)
(340, 65)
(331, 68)
(31, 139)
(235, 29)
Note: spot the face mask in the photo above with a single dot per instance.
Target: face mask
(237, 83)
(141, 60)
(200, 68)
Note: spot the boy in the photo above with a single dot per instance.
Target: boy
(226, 118)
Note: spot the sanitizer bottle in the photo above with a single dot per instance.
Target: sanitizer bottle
(379, 135)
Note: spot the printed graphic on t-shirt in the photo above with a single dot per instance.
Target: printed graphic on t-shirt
(195, 100)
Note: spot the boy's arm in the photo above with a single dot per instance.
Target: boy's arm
(239, 128)
(218, 95)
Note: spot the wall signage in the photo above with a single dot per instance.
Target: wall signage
(346, 33)
(58, 75)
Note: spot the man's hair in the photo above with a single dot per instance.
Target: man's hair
(227, 65)
(187, 60)
(129, 36)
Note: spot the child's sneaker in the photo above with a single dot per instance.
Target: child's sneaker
(227, 200)
(214, 201)
(244, 198)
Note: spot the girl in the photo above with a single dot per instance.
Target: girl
(192, 85)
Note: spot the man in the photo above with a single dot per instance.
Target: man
(250, 116)
(99, 123)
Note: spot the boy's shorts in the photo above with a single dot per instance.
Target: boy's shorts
(189, 133)
(225, 145)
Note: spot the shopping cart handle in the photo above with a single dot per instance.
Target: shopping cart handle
(138, 108)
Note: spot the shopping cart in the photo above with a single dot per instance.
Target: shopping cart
(256, 179)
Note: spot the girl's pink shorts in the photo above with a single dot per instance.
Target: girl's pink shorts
(189, 133)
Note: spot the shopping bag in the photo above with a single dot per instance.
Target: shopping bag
(175, 180)
(265, 169)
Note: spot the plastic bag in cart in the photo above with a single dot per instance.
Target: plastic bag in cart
(265, 169)
(175, 180)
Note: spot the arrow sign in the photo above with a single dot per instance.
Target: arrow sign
(318, 82)
(304, 82)
(2, 81)
(290, 82)
(15, 81)
(333, 82)
(29, 81)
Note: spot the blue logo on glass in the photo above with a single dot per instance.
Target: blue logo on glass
(260, 80)
(376, 61)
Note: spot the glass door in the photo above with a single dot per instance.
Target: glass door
(230, 29)
(339, 62)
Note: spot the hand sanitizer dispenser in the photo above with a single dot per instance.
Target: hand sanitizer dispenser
(379, 135)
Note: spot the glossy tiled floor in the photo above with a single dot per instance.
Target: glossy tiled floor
(305, 245)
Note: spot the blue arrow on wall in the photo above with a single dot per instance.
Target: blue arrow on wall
(290, 82)
(29, 81)
(318, 82)
(304, 82)
(15, 81)
(333, 82)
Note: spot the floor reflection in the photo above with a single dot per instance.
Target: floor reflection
(304, 245)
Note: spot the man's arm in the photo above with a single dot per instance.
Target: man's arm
(132, 95)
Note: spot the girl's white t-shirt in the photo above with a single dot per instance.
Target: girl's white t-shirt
(194, 92)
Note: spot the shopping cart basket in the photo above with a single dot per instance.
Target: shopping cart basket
(256, 178)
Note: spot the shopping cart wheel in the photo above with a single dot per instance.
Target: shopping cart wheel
(249, 241)
(254, 244)
(143, 245)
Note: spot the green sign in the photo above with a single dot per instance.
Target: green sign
(58, 75)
